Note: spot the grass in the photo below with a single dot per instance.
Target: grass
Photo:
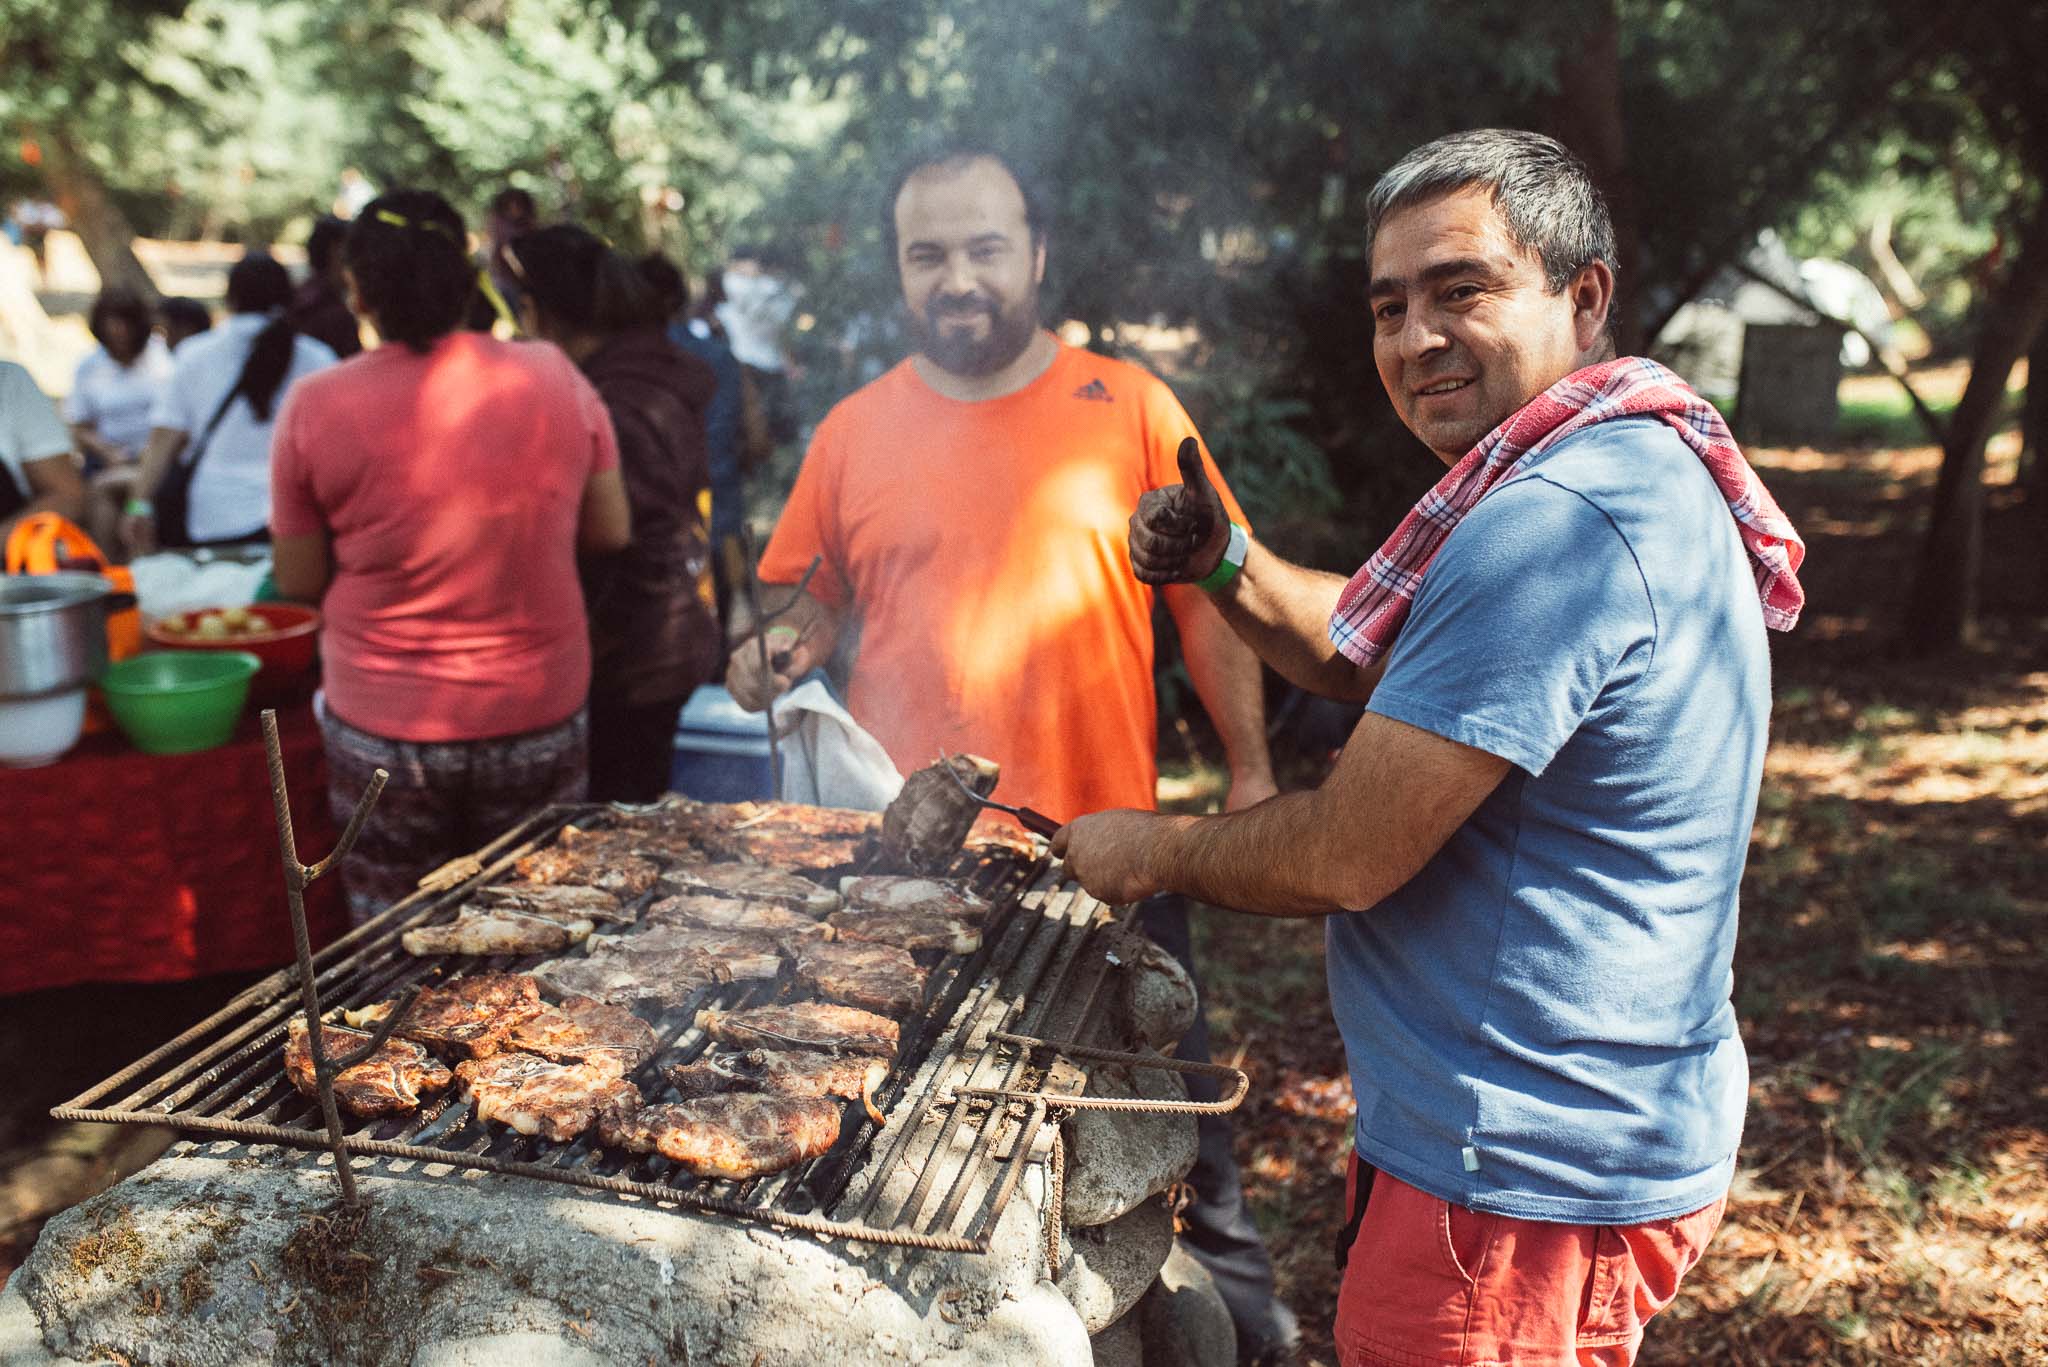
(1892, 1200)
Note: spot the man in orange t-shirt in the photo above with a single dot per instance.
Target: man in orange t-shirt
(969, 511)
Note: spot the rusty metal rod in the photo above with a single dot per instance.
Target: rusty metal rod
(379, 1148)
(296, 877)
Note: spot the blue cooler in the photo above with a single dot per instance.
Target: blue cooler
(721, 751)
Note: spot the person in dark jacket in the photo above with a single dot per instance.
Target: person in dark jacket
(319, 306)
(654, 633)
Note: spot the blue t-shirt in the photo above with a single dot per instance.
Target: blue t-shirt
(1538, 1023)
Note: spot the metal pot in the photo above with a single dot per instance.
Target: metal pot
(53, 632)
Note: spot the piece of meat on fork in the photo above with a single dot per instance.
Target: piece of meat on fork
(538, 1096)
(823, 1026)
(389, 1082)
(782, 1072)
(882, 978)
(736, 1136)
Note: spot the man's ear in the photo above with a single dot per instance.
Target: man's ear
(1592, 296)
(1037, 259)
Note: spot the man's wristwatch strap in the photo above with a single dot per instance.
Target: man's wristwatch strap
(1232, 561)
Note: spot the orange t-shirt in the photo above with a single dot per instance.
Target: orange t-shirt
(981, 551)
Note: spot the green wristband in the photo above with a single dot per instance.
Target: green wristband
(138, 507)
(1232, 561)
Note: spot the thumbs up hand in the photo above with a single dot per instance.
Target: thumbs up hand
(1179, 533)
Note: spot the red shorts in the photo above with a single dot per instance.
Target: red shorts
(1429, 1283)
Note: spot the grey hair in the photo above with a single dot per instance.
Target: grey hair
(1544, 193)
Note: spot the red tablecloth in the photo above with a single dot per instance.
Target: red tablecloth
(116, 866)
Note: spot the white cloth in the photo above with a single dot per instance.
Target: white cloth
(757, 308)
(231, 492)
(118, 399)
(827, 759)
(30, 429)
(179, 581)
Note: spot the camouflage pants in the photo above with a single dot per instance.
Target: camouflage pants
(442, 800)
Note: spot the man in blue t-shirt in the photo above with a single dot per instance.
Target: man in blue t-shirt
(1529, 852)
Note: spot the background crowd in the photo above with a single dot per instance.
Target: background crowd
(509, 511)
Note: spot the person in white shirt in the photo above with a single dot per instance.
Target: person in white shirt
(37, 473)
(214, 416)
(116, 386)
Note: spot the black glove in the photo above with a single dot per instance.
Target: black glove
(1179, 534)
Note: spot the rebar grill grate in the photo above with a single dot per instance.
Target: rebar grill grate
(1035, 974)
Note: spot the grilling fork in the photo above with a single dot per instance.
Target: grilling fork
(1037, 822)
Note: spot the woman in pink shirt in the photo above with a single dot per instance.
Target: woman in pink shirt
(432, 495)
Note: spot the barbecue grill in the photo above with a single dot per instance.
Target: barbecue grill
(984, 1074)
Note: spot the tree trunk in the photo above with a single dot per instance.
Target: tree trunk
(1943, 609)
(108, 237)
(1587, 117)
(2034, 460)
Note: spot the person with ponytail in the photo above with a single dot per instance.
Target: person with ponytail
(204, 477)
(654, 631)
(432, 495)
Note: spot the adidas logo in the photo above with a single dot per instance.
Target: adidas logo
(1095, 389)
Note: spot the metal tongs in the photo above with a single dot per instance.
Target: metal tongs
(1037, 822)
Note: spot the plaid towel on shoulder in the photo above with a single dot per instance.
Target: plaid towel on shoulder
(1375, 603)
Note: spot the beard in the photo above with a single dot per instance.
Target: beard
(964, 353)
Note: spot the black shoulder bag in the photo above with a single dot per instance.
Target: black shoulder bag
(173, 496)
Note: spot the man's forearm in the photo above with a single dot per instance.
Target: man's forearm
(1225, 673)
(1282, 611)
(1270, 860)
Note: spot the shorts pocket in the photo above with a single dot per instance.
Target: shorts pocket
(1607, 1314)
(1465, 1236)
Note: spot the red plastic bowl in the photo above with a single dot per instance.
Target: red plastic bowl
(285, 645)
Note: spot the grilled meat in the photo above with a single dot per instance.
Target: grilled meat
(666, 979)
(882, 978)
(464, 1017)
(738, 1136)
(782, 1072)
(926, 896)
(929, 819)
(734, 955)
(494, 930)
(788, 836)
(389, 1082)
(558, 901)
(916, 931)
(804, 1025)
(537, 1096)
(585, 1028)
(756, 884)
(711, 912)
(608, 866)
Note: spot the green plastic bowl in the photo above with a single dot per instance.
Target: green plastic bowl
(172, 702)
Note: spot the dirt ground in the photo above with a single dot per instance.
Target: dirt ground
(1892, 1202)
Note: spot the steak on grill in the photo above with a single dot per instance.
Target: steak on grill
(734, 955)
(916, 931)
(711, 912)
(738, 1136)
(926, 896)
(569, 901)
(538, 1096)
(464, 1017)
(606, 866)
(804, 1025)
(751, 881)
(495, 930)
(875, 977)
(389, 1082)
(782, 1072)
(585, 1028)
(666, 979)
